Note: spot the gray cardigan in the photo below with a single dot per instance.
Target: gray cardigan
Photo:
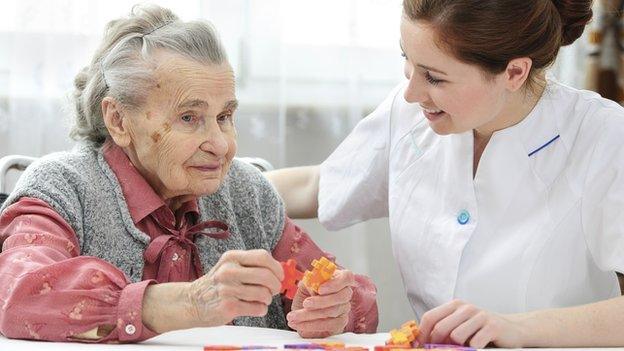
(83, 189)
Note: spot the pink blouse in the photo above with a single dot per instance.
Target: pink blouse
(48, 291)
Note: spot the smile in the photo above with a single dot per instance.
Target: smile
(432, 114)
(432, 111)
(208, 168)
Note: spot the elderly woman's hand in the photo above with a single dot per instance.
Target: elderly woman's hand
(242, 283)
(325, 314)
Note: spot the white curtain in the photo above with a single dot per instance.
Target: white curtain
(307, 71)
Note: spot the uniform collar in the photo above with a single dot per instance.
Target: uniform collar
(538, 130)
(529, 148)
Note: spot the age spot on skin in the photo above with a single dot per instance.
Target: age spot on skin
(156, 137)
(167, 127)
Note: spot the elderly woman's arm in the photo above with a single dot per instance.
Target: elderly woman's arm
(54, 294)
(298, 187)
(363, 314)
(44, 275)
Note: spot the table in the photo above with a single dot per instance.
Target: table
(195, 339)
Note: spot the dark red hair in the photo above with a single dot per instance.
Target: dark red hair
(490, 33)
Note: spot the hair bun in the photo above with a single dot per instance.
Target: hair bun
(575, 14)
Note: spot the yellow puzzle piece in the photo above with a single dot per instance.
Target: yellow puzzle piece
(322, 272)
(405, 335)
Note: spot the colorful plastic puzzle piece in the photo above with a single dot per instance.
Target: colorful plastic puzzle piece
(392, 348)
(325, 346)
(411, 327)
(304, 346)
(398, 338)
(221, 347)
(448, 347)
(322, 272)
(291, 277)
(331, 345)
(405, 335)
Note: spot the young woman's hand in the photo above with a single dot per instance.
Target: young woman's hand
(326, 313)
(460, 323)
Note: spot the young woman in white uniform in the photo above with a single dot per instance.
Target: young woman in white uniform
(504, 189)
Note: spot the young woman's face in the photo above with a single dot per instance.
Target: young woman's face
(456, 97)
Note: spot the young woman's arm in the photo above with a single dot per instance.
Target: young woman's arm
(298, 187)
(599, 324)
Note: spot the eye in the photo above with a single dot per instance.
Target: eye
(187, 118)
(225, 117)
(431, 80)
(403, 55)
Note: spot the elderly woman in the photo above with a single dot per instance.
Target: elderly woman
(150, 225)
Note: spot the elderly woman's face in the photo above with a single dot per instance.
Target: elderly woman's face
(183, 139)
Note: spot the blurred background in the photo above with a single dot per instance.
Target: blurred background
(307, 72)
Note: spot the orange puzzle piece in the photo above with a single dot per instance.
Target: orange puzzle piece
(291, 277)
(405, 335)
(322, 272)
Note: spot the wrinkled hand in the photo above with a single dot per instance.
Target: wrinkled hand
(457, 322)
(325, 314)
(242, 283)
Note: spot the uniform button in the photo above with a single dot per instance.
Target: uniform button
(175, 256)
(130, 329)
(463, 217)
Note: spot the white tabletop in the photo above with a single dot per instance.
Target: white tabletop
(195, 339)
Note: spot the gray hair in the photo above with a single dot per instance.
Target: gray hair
(121, 68)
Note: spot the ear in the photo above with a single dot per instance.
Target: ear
(114, 121)
(517, 73)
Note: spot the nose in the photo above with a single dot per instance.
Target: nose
(416, 90)
(216, 141)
